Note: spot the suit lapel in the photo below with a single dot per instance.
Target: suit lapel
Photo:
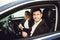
(38, 28)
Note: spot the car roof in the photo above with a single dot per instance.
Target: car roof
(4, 7)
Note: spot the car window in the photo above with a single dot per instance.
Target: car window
(49, 16)
(20, 13)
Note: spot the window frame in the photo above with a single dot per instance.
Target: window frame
(13, 10)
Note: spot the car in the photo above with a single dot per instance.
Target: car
(12, 15)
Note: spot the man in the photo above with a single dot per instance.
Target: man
(39, 27)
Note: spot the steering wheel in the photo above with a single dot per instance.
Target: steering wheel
(12, 26)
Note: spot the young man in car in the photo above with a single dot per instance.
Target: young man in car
(39, 27)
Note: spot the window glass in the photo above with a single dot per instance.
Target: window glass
(20, 13)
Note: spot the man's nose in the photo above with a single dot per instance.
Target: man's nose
(36, 16)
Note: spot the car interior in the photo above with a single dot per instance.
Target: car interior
(9, 24)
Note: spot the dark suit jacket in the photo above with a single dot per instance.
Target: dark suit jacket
(42, 28)
(30, 23)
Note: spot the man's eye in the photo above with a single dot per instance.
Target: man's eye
(37, 14)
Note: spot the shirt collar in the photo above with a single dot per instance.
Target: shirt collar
(38, 21)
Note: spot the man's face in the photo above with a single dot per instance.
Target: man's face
(37, 16)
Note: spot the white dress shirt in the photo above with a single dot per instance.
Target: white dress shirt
(34, 27)
(26, 24)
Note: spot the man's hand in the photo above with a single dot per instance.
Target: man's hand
(21, 27)
(24, 34)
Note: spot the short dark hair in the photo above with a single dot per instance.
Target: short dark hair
(35, 9)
